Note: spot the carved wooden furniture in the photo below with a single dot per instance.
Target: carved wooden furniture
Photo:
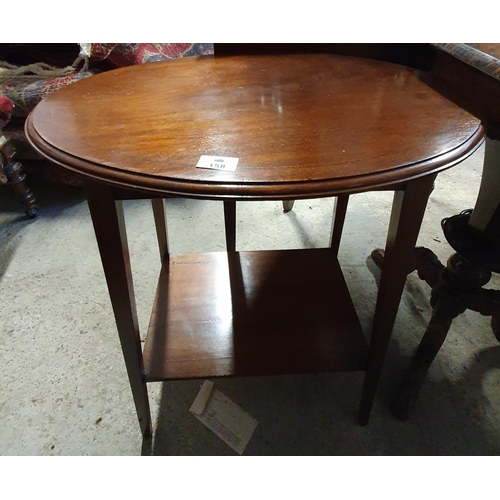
(302, 126)
(11, 171)
(30, 71)
(470, 75)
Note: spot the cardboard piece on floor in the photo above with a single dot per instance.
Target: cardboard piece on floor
(223, 417)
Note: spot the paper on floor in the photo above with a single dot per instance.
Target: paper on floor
(223, 417)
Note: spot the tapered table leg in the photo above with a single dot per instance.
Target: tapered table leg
(406, 218)
(158, 205)
(339, 212)
(287, 205)
(109, 227)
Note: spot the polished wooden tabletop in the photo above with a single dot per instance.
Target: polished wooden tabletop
(300, 125)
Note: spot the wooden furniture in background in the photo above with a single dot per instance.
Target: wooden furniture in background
(302, 126)
(470, 75)
(11, 172)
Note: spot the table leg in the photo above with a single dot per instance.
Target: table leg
(287, 205)
(109, 226)
(230, 225)
(406, 218)
(17, 179)
(158, 205)
(339, 211)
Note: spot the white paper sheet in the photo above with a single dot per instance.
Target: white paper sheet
(223, 417)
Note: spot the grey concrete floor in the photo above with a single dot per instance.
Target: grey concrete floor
(64, 387)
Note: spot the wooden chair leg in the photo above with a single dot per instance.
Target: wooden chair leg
(17, 179)
(109, 226)
(406, 218)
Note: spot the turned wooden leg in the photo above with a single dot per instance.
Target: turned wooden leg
(109, 227)
(406, 218)
(3, 177)
(447, 308)
(425, 262)
(17, 179)
(460, 282)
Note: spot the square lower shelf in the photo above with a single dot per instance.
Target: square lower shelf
(252, 313)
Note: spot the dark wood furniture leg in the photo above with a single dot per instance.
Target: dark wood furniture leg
(459, 284)
(456, 287)
(230, 225)
(339, 212)
(406, 218)
(109, 226)
(17, 179)
(158, 205)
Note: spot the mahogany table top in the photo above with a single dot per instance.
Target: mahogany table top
(300, 125)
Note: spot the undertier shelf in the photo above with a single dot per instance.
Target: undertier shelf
(252, 313)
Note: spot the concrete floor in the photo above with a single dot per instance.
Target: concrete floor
(64, 388)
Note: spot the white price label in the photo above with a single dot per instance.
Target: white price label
(218, 162)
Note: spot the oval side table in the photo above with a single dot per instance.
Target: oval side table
(301, 126)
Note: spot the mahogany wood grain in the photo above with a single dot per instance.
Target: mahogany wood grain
(109, 226)
(301, 125)
(288, 311)
(404, 225)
